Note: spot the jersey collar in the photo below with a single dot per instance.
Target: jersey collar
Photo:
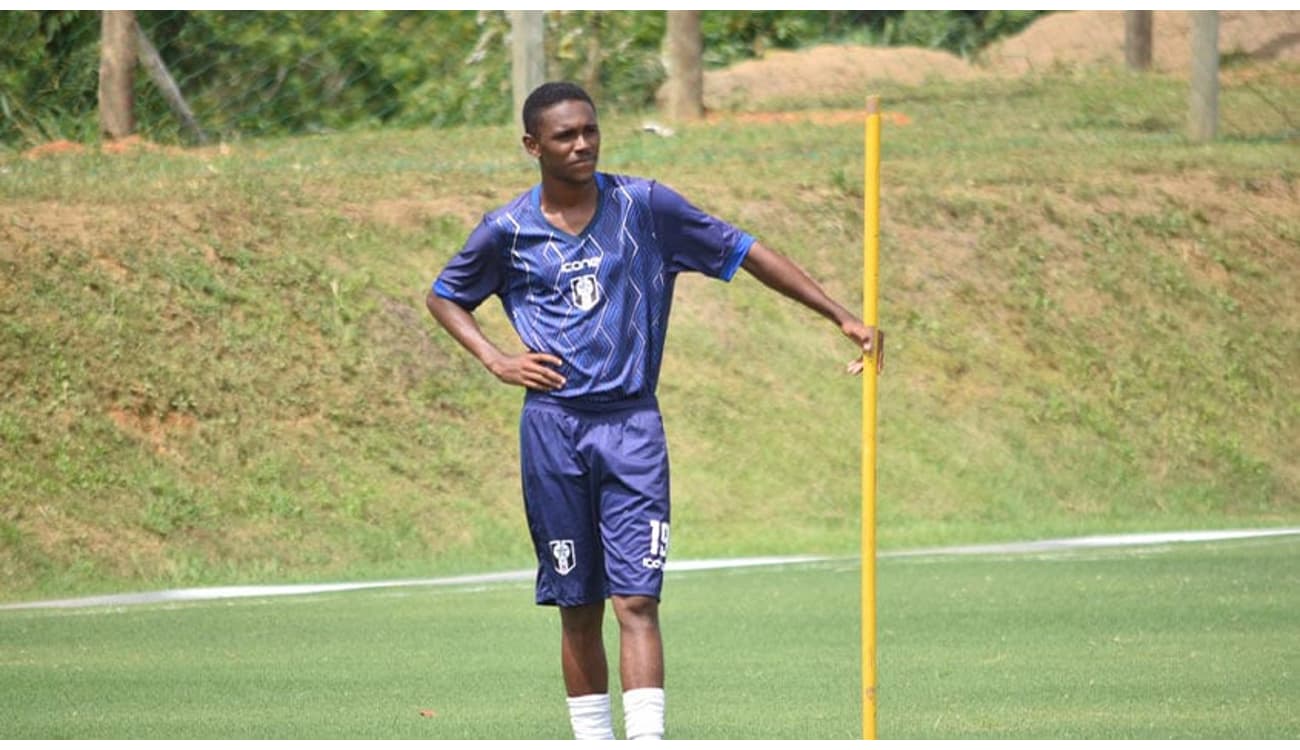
(536, 200)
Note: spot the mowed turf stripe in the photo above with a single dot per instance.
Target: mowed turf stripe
(1014, 548)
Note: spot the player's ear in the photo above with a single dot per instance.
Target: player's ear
(531, 146)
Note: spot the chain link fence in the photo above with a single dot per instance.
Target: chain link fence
(249, 73)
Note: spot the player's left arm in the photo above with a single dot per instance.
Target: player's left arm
(785, 276)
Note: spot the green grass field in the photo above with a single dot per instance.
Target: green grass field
(1185, 641)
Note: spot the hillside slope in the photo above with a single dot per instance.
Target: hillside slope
(215, 366)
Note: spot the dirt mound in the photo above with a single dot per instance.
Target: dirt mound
(814, 116)
(54, 148)
(131, 144)
(824, 72)
(1096, 38)
(1058, 40)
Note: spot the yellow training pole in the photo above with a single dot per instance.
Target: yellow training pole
(870, 290)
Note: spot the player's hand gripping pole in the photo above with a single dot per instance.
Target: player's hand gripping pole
(870, 315)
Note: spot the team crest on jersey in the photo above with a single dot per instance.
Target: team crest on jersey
(562, 553)
(586, 292)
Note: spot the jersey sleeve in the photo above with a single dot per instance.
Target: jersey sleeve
(692, 240)
(476, 272)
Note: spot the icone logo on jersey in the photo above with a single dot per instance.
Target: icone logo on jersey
(579, 265)
(586, 292)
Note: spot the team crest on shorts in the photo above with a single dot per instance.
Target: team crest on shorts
(586, 292)
(562, 553)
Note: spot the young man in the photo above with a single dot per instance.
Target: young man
(584, 264)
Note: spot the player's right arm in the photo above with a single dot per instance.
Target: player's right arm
(475, 273)
(535, 370)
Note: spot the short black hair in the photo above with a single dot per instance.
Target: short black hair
(548, 95)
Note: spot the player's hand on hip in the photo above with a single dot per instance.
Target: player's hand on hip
(872, 341)
(535, 370)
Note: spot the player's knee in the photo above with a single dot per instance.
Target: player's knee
(585, 620)
(637, 612)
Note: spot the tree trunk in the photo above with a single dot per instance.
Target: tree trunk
(528, 61)
(117, 73)
(591, 74)
(683, 50)
(1137, 39)
(1203, 114)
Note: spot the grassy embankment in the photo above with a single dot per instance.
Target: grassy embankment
(216, 367)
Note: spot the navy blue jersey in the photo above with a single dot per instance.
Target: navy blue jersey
(599, 300)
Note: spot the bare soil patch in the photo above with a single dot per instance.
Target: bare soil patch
(132, 144)
(1058, 41)
(413, 214)
(154, 430)
(1096, 38)
(825, 72)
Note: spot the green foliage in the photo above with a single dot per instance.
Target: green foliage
(253, 73)
(50, 76)
(614, 54)
(302, 71)
(730, 36)
(963, 32)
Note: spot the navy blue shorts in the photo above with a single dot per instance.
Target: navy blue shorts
(596, 496)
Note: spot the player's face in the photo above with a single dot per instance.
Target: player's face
(567, 142)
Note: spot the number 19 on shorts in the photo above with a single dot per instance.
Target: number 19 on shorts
(658, 545)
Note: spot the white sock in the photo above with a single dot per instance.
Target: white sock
(643, 713)
(590, 717)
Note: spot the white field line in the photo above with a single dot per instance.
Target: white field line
(1093, 542)
(1048, 545)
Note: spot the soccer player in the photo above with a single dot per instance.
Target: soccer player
(584, 265)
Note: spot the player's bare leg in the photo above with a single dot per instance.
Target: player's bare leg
(586, 673)
(582, 649)
(641, 665)
(641, 651)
